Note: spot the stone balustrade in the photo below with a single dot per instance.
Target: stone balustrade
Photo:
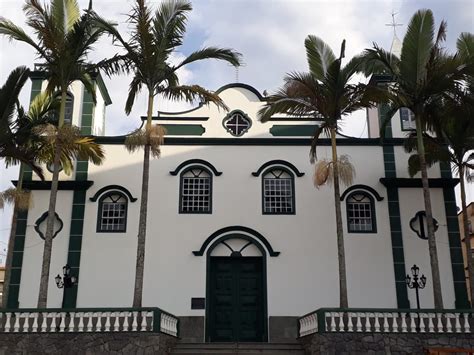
(88, 320)
(327, 320)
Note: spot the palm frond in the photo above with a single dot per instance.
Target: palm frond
(417, 47)
(21, 199)
(225, 54)
(192, 93)
(320, 56)
(153, 136)
(324, 171)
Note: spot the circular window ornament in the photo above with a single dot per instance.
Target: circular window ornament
(50, 167)
(237, 123)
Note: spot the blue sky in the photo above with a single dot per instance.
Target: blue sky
(270, 35)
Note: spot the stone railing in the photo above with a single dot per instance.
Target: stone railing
(88, 320)
(333, 320)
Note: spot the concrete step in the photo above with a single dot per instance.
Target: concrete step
(238, 348)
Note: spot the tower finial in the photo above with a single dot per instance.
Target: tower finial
(394, 23)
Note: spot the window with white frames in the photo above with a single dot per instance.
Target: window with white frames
(278, 192)
(360, 210)
(407, 118)
(69, 108)
(196, 191)
(112, 213)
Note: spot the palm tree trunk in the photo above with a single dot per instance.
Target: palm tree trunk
(438, 297)
(11, 244)
(343, 300)
(48, 238)
(467, 236)
(140, 265)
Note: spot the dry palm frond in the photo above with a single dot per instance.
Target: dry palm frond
(20, 198)
(154, 136)
(72, 146)
(323, 171)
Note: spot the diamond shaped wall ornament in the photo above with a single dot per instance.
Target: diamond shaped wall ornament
(40, 225)
(419, 225)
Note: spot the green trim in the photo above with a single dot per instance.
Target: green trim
(361, 187)
(226, 232)
(199, 162)
(241, 86)
(87, 113)
(294, 119)
(22, 222)
(113, 188)
(261, 141)
(396, 236)
(293, 130)
(183, 129)
(455, 248)
(174, 118)
(409, 182)
(62, 185)
(103, 89)
(445, 170)
(276, 163)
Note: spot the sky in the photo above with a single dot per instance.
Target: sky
(269, 33)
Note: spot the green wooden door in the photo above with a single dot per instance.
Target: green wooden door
(236, 299)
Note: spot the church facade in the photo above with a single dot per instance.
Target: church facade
(239, 241)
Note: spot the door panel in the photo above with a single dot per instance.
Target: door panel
(236, 299)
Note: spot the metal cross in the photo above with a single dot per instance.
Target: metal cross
(394, 24)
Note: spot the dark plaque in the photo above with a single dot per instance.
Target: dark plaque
(198, 303)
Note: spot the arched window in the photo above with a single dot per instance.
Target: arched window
(112, 212)
(196, 190)
(407, 118)
(278, 187)
(360, 210)
(69, 108)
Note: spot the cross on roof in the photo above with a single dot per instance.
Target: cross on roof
(394, 24)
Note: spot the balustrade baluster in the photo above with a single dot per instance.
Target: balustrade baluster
(71, 326)
(376, 322)
(430, 322)
(7, 322)
(350, 326)
(340, 325)
(404, 322)
(16, 326)
(467, 328)
(134, 322)
(394, 322)
(368, 326)
(62, 324)
(107, 322)
(413, 322)
(359, 321)
(421, 320)
(126, 321)
(440, 323)
(449, 327)
(386, 327)
(52, 327)
(80, 326)
(43, 321)
(457, 323)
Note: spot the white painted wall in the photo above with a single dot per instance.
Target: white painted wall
(33, 252)
(303, 278)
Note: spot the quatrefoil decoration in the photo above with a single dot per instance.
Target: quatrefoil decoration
(419, 225)
(40, 225)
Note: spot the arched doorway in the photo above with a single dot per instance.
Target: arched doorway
(236, 292)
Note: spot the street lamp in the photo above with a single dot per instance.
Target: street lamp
(65, 282)
(417, 283)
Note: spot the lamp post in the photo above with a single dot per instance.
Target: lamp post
(66, 281)
(417, 283)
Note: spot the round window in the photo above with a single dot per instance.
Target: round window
(237, 123)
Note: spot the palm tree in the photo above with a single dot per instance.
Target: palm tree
(153, 39)
(64, 37)
(326, 94)
(18, 144)
(453, 122)
(423, 74)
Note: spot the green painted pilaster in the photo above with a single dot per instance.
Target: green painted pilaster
(78, 208)
(394, 215)
(22, 220)
(293, 130)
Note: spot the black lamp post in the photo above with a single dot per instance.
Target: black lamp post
(417, 283)
(67, 281)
